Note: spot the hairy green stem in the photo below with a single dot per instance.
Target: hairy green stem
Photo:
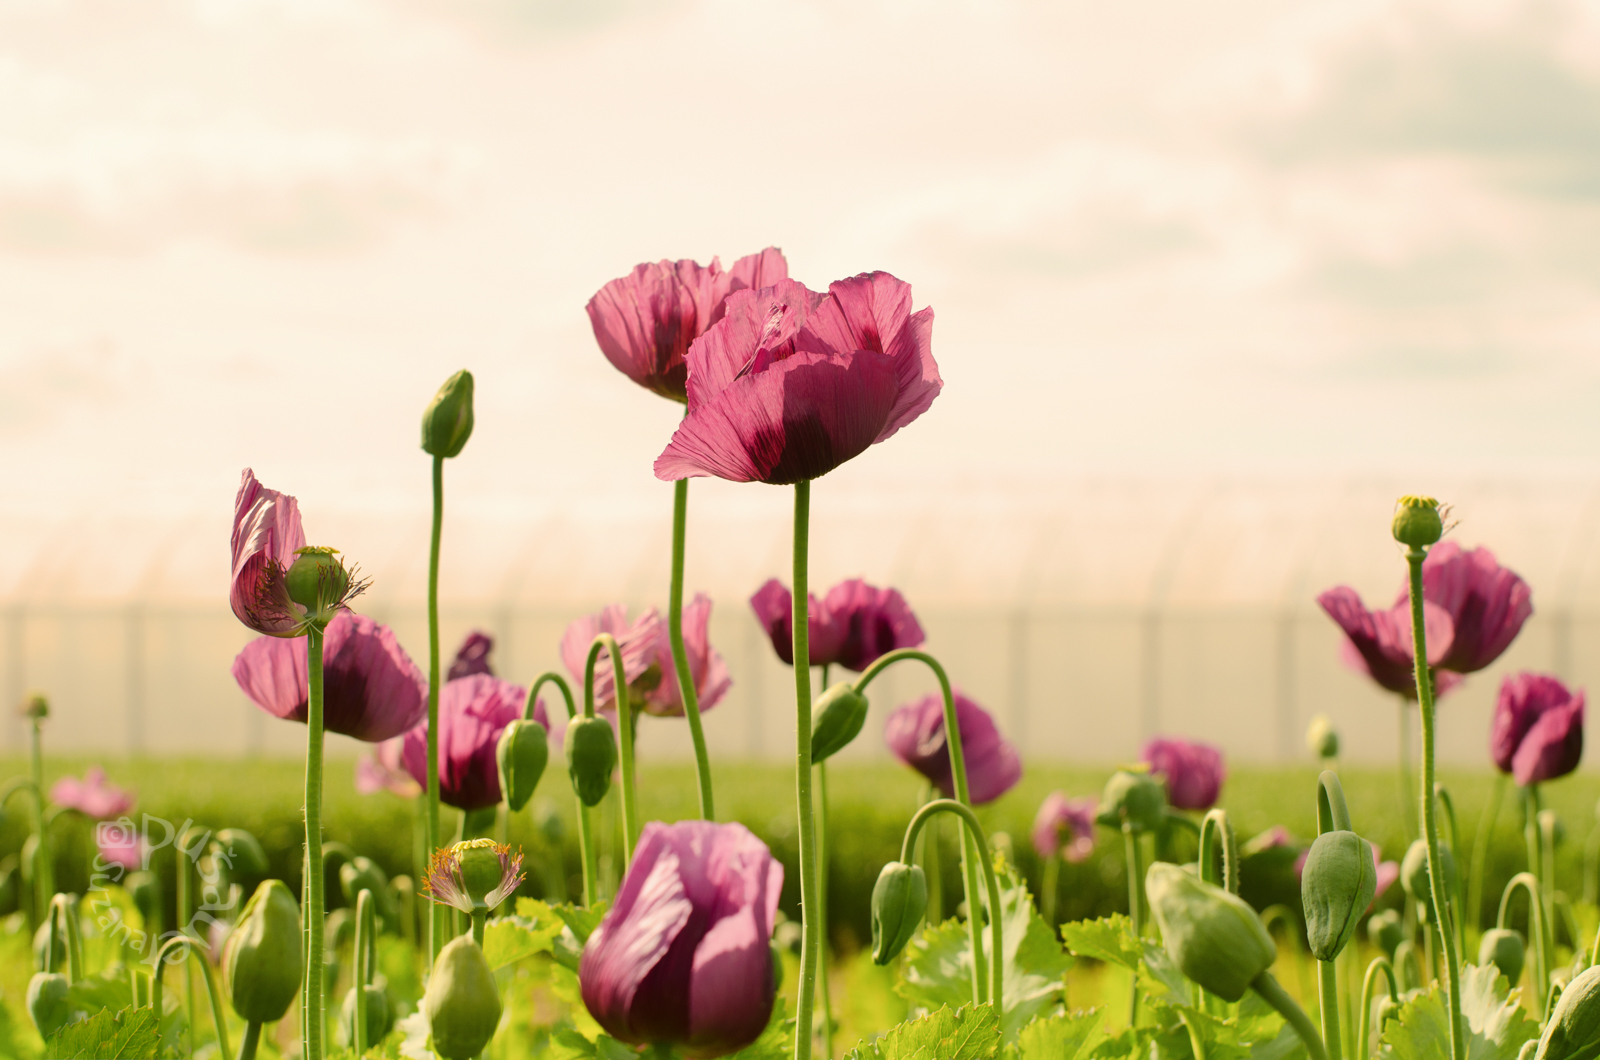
(363, 945)
(680, 656)
(1547, 878)
(1368, 989)
(991, 882)
(217, 1018)
(1274, 994)
(619, 680)
(932, 866)
(809, 919)
(822, 901)
(1130, 847)
(1328, 999)
(437, 932)
(312, 1045)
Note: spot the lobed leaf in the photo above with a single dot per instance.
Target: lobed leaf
(1497, 1028)
(126, 1034)
(971, 1033)
(509, 939)
(1064, 1036)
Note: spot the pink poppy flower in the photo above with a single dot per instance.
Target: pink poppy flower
(381, 770)
(93, 796)
(638, 640)
(371, 688)
(1378, 643)
(710, 673)
(853, 626)
(684, 954)
(122, 846)
(1064, 827)
(1193, 771)
(472, 657)
(266, 533)
(790, 383)
(646, 647)
(472, 713)
(645, 321)
(1537, 733)
(915, 733)
(1487, 604)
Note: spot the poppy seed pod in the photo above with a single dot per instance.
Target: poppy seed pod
(261, 958)
(591, 749)
(1505, 950)
(462, 1003)
(317, 578)
(899, 900)
(1417, 521)
(447, 424)
(840, 713)
(521, 755)
(1133, 797)
(1573, 1031)
(1386, 929)
(379, 1018)
(1336, 886)
(1214, 937)
(1414, 873)
(48, 1005)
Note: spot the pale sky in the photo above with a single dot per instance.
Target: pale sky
(1158, 237)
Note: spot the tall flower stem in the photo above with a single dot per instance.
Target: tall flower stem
(996, 922)
(680, 656)
(586, 847)
(932, 868)
(1540, 972)
(822, 900)
(312, 1046)
(1430, 823)
(1130, 847)
(1547, 876)
(810, 919)
(619, 679)
(958, 775)
(1480, 849)
(438, 932)
(218, 1020)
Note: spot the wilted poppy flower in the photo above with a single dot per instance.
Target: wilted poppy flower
(915, 733)
(1379, 642)
(637, 640)
(267, 539)
(473, 874)
(381, 770)
(1487, 604)
(472, 657)
(1193, 771)
(472, 713)
(647, 658)
(1064, 827)
(371, 688)
(1537, 733)
(790, 383)
(710, 673)
(645, 321)
(853, 626)
(684, 954)
(93, 796)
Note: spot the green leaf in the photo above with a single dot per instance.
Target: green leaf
(1496, 1026)
(509, 939)
(570, 1045)
(964, 1034)
(128, 1034)
(576, 924)
(1108, 939)
(1064, 1036)
(938, 967)
(1161, 977)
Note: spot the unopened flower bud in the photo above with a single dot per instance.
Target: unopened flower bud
(1385, 929)
(261, 958)
(899, 900)
(591, 749)
(35, 706)
(362, 873)
(245, 858)
(1213, 936)
(1322, 739)
(1417, 521)
(521, 754)
(1414, 873)
(839, 714)
(1336, 886)
(1134, 797)
(462, 1003)
(447, 424)
(379, 1019)
(48, 1005)
(1504, 949)
(1574, 1027)
(317, 579)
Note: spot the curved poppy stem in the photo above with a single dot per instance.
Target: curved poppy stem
(1368, 989)
(312, 1047)
(218, 1020)
(680, 656)
(810, 920)
(996, 918)
(619, 680)
(437, 931)
(1536, 933)
(586, 845)
(63, 909)
(1274, 994)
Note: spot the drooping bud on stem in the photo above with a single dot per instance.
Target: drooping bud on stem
(1414, 874)
(262, 957)
(1337, 884)
(361, 873)
(591, 749)
(521, 754)
(1504, 949)
(1386, 930)
(1214, 937)
(839, 713)
(899, 901)
(1133, 797)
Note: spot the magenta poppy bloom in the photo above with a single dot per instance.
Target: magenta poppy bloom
(93, 796)
(371, 688)
(1193, 771)
(853, 626)
(1064, 827)
(1487, 604)
(266, 533)
(122, 846)
(684, 955)
(1378, 643)
(645, 321)
(915, 733)
(710, 673)
(791, 383)
(1537, 733)
(1386, 871)
(472, 657)
(472, 713)
(382, 770)
(639, 641)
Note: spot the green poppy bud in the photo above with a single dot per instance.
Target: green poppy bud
(1135, 797)
(361, 873)
(144, 887)
(462, 1003)
(837, 718)
(1385, 929)
(447, 424)
(317, 579)
(1213, 936)
(1414, 873)
(521, 754)
(591, 749)
(47, 1002)
(379, 1019)
(35, 706)
(1417, 521)
(482, 870)
(1336, 886)
(1505, 950)
(261, 958)
(1322, 739)
(1573, 1031)
(244, 857)
(899, 900)
(41, 939)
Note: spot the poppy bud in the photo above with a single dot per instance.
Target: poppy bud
(317, 578)
(591, 749)
(840, 712)
(447, 424)
(1505, 950)
(261, 958)
(1417, 521)
(1574, 1027)
(462, 1003)
(245, 858)
(1322, 739)
(899, 900)
(1336, 886)
(48, 1005)
(521, 754)
(1213, 936)
(35, 706)
(1414, 873)
(1135, 797)
(1385, 929)
(144, 888)
(379, 1021)
(41, 939)
(360, 873)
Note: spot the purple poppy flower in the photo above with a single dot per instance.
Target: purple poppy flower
(371, 688)
(645, 321)
(266, 533)
(472, 657)
(1487, 604)
(710, 673)
(1193, 771)
(790, 383)
(93, 796)
(1537, 733)
(915, 733)
(684, 955)
(773, 604)
(638, 640)
(1378, 643)
(382, 770)
(472, 713)
(1064, 827)
(853, 626)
